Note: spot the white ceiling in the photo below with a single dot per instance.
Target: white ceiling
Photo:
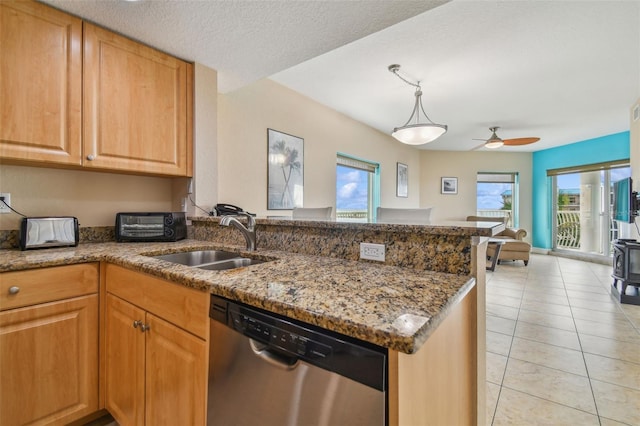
(563, 71)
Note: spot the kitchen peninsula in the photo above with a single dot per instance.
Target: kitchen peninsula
(423, 304)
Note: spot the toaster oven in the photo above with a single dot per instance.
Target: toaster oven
(145, 226)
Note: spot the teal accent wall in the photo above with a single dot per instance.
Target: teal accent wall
(592, 151)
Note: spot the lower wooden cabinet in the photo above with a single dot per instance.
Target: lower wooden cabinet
(438, 384)
(176, 379)
(156, 371)
(125, 360)
(48, 350)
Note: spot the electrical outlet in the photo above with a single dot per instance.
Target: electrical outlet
(7, 199)
(372, 251)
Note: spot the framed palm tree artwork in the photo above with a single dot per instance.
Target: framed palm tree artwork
(285, 184)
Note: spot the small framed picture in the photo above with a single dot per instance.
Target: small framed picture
(402, 182)
(449, 185)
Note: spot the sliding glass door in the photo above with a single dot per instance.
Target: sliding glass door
(582, 208)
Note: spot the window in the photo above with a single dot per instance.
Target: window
(357, 189)
(497, 196)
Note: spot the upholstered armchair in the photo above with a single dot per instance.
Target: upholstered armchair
(513, 248)
(512, 233)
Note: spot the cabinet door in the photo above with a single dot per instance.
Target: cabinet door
(176, 375)
(40, 84)
(124, 362)
(49, 362)
(135, 106)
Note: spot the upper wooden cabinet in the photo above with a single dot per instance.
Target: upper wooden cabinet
(40, 84)
(75, 96)
(135, 106)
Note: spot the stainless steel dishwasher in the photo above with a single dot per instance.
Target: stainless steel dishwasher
(265, 369)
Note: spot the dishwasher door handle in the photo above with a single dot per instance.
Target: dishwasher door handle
(277, 360)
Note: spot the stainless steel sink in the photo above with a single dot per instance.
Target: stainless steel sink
(199, 257)
(215, 260)
(231, 264)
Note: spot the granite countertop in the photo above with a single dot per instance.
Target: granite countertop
(390, 306)
(467, 228)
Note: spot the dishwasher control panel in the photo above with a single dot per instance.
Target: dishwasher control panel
(274, 336)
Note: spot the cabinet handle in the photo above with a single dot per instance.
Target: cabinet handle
(91, 157)
(137, 323)
(145, 327)
(14, 290)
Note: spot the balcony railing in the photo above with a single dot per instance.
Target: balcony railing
(352, 215)
(568, 229)
(496, 213)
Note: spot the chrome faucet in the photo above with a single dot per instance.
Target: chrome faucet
(249, 231)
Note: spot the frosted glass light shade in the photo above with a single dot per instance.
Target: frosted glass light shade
(419, 134)
(493, 144)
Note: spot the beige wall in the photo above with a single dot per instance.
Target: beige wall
(465, 165)
(205, 161)
(243, 120)
(94, 198)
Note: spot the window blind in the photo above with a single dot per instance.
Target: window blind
(354, 163)
(496, 177)
(589, 168)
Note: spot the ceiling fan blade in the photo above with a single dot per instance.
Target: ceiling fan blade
(480, 140)
(520, 141)
(477, 147)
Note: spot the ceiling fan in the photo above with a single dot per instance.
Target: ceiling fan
(496, 142)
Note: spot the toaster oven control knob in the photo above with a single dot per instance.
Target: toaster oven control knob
(14, 290)
(91, 157)
(168, 232)
(168, 220)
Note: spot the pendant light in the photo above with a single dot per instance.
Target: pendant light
(416, 133)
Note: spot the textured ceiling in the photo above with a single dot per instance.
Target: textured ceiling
(245, 40)
(563, 71)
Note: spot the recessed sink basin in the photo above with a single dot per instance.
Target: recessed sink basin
(214, 260)
(231, 264)
(199, 257)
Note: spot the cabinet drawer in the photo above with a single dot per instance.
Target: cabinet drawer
(34, 286)
(185, 307)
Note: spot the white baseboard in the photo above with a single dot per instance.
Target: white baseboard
(538, 250)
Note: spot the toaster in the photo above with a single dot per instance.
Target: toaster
(45, 232)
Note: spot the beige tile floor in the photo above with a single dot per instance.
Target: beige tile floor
(560, 349)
